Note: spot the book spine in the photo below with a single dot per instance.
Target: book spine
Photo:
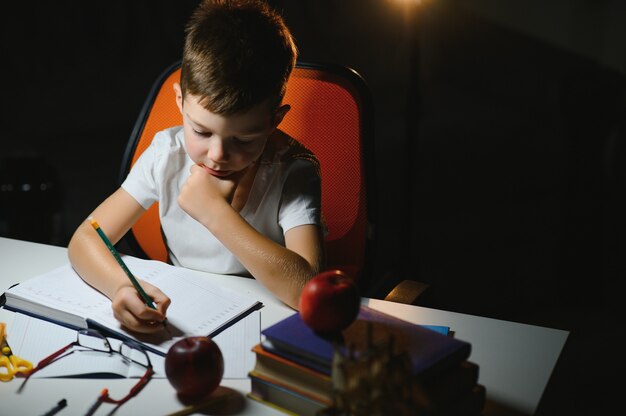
(295, 388)
(316, 365)
(73, 326)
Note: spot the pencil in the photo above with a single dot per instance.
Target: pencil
(98, 402)
(56, 409)
(147, 300)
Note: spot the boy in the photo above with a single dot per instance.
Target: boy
(236, 195)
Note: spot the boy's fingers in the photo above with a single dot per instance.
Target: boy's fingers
(149, 314)
(143, 312)
(162, 302)
(163, 308)
(130, 310)
(131, 322)
(159, 298)
(163, 305)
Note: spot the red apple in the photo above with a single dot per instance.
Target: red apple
(329, 302)
(194, 366)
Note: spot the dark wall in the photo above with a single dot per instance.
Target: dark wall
(513, 150)
(75, 77)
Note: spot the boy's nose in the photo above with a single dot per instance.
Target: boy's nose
(217, 150)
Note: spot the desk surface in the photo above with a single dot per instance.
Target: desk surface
(516, 360)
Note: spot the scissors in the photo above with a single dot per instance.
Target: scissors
(12, 363)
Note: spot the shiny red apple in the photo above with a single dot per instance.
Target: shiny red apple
(194, 366)
(329, 302)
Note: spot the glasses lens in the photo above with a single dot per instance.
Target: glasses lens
(93, 340)
(135, 354)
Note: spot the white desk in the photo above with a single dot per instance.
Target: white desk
(515, 360)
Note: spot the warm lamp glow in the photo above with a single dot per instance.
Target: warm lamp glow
(409, 8)
(408, 2)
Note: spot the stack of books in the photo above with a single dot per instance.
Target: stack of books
(381, 364)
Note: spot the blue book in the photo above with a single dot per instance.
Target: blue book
(430, 350)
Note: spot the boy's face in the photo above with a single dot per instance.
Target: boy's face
(225, 145)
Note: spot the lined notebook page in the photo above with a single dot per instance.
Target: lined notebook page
(198, 307)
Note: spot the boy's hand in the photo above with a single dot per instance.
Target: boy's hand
(203, 191)
(130, 310)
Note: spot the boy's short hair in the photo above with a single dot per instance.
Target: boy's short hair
(237, 54)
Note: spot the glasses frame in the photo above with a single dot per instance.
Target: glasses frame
(56, 356)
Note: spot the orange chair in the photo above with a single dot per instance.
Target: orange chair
(331, 113)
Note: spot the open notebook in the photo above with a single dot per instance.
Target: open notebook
(199, 307)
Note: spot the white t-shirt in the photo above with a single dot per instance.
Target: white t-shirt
(286, 193)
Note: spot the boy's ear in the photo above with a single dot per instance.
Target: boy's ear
(179, 96)
(280, 114)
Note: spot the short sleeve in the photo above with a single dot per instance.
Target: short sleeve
(301, 195)
(141, 182)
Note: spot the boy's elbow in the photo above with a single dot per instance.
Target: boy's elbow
(294, 298)
(293, 303)
(74, 247)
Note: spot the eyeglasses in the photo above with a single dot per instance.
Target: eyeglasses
(93, 340)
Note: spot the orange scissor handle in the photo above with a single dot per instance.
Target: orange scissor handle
(6, 369)
(12, 364)
(20, 365)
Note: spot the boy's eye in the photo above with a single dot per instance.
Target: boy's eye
(242, 141)
(202, 134)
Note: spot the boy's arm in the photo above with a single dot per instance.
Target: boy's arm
(90, 257)
(94, 263)
(283, 270)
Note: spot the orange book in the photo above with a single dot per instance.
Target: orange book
(293, 376)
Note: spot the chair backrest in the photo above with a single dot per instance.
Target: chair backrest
(331, 113)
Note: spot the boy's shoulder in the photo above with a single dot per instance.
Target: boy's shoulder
(284, 149)
(170, 140)
(171, 135)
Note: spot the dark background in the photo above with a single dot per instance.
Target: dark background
(499, 146)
